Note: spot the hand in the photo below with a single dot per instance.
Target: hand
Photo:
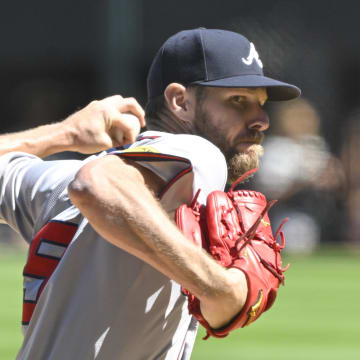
(111, 122)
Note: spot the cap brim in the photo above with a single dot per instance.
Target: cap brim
(276, 90)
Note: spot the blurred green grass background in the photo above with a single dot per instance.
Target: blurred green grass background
(316, 315)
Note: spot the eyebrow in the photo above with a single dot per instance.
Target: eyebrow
(251, 91)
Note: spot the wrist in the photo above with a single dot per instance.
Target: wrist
(68, 135)
(57, 137)
(45, 140)
(221, 308)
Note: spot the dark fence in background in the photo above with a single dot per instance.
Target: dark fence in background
(57, 56)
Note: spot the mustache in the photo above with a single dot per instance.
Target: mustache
(253, 136)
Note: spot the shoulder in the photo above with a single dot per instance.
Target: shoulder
(155, 145)
(171, 156)
(207, 161)
(192, 147)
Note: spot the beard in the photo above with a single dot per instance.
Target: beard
(242, 162)
(238, 162)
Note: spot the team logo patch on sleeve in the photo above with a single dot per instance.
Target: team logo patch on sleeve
(137, 149)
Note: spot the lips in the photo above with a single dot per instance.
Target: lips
(250, 142)
(245, 145)
(256, 138)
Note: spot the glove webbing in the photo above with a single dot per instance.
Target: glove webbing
(249, 235)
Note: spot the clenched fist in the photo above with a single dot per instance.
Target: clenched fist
(106, 123)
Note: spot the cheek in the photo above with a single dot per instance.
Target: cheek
(234, 127)
(225, 128)
(230, 118)
(224, 122)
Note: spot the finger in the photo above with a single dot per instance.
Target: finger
(117, 137)
(132, 127)
(125, 128)
(128, 105)
(130, 135)
(132, 106)
(113, 99)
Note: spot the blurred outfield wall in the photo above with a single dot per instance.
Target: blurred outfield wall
(56, 57)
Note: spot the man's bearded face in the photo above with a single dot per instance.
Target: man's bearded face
(240, 144)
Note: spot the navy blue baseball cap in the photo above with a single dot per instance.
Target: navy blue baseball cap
(211, 57)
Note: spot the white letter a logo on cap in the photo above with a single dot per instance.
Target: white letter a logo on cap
(253, 55)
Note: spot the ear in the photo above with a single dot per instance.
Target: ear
(178, 101)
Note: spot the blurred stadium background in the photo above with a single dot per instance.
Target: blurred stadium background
(58, 56)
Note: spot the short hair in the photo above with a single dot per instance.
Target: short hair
(156, 106)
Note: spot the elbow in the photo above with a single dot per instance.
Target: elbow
(81, 188)
(97, 182)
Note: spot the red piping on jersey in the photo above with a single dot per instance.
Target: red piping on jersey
(147, 137)
(152, 156)
(182, 345)
(164, 157)
(174, 179)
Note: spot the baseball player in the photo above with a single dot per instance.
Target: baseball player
(106, 263)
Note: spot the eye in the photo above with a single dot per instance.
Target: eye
(238, 99)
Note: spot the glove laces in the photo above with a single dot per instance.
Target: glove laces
(246, 238)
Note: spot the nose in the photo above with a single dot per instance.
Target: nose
(259, 120)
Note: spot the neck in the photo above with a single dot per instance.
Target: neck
(168, 122)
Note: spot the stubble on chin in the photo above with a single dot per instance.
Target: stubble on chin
(242, 162)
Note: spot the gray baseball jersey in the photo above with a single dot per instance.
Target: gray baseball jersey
(84, 298)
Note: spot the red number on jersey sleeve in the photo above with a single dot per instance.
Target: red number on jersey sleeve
(45, 252)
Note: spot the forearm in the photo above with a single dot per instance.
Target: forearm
(113, 121)
(133, 220)
(41, 141)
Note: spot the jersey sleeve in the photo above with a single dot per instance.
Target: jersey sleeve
(30, 188)
(186, 163)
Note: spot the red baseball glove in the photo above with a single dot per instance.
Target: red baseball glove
(234, 228)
